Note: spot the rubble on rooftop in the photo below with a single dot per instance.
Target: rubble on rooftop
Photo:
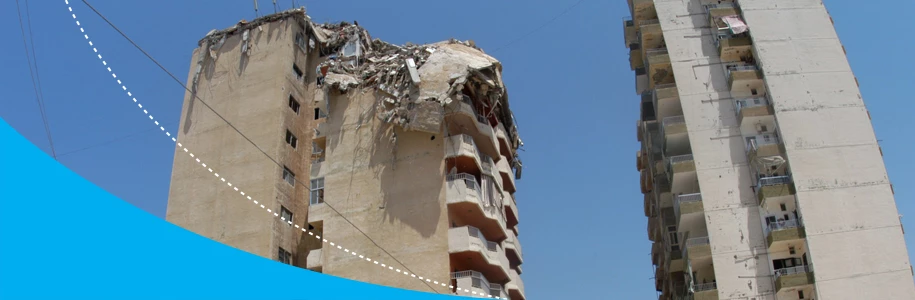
(413, 83)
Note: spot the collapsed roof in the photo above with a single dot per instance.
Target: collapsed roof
(413, 83)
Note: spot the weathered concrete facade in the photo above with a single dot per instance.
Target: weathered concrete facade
(777, 147)
(400, 153)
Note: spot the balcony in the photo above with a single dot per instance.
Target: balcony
(774, 187)
(461, 151)
(656, 249)
(697, 247)
(630, 32)
(508, 177)
(744, 78)
(474, 283)
(660, 71)
(689, 210)
(674, 125)
(654, 229)
(733, 48)
(466, 199)
(513, 248)
(504, 144)
(705, 291)
(468, 245)
(794, 277)
(681, 172)
(511, 209)
(636, 58)
(784, 232)
(642, 10)
(461, 117)
(667, 101)
(764, 146)
(752, 109)
(515, 287)
(641, 80)
(675, 262)
(321, 131)
(315, 260)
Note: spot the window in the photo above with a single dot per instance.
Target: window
(800, 294)
(288, 176)
(300, 40)
(753, 91)
(783, 207)
(317, 191)
(791, 250)
(297, 71)
(674, 239)
(284, 256)
(286, 215)
(293, 104)
(319, 113)
(291, 139)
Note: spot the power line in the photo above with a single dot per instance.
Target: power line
(538, 28)
(33, 73)
(243, 135)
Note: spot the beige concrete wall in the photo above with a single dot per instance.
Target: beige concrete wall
(731, 212)
(853, 230)
(250, 93)
(392, 192)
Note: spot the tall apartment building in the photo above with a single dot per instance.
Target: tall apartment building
(762, 175)
(413, 146)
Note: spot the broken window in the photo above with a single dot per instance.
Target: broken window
(293, 104)
(319, 114)
(291, 139)
(284, 256)
(317, 152)
(300, 41)
(286, 215)
(297, 71)
(288, 176)
(317, 191)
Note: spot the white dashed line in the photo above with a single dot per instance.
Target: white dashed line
(223, 179)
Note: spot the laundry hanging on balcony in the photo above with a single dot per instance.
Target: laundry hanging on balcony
(735, 24)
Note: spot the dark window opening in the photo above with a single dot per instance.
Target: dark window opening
(288, 176)
(298, 72)
(293, 104)
(291, 139)
(286, 215)
(284, 256)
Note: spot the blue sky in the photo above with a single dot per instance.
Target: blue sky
(582, 223)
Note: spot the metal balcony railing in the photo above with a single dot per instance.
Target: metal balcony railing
(697, 241)
(793, 270)
(680, 158)
(701, 287)
(687, 198)
(480, 282)
(783, 224)
(673, 120)
(649, 22)
(774, 180)
(732, 69)
(470, 182)
(475, 232)
(751, 102)
(761, 140)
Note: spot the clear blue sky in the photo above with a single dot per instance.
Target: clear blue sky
(582, 223)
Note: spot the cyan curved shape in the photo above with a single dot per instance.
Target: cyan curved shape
(62, 237)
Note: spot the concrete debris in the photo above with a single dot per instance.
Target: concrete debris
(413, 83)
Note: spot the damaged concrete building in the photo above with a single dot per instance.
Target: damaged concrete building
(758, 159)
(404, 154)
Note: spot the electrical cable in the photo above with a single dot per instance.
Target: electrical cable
(33, 73)
(244, 136)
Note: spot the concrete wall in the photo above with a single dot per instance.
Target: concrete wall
(251, 94)
(731, 211)
(853, 231)
(394, 192)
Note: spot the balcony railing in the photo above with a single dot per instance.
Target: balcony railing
(709, 7)
(784, 224)
(478, 281)
(475, 232)
(697, 241)
(701, 287)
(656, 51)
(732, 69)
(666, 85)
(649, 22)
(793, 270)
(687, 198)
(674, 120)
(470, 182)
(751, 102)
(761, 140)
(680, 158)
(774, 180)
